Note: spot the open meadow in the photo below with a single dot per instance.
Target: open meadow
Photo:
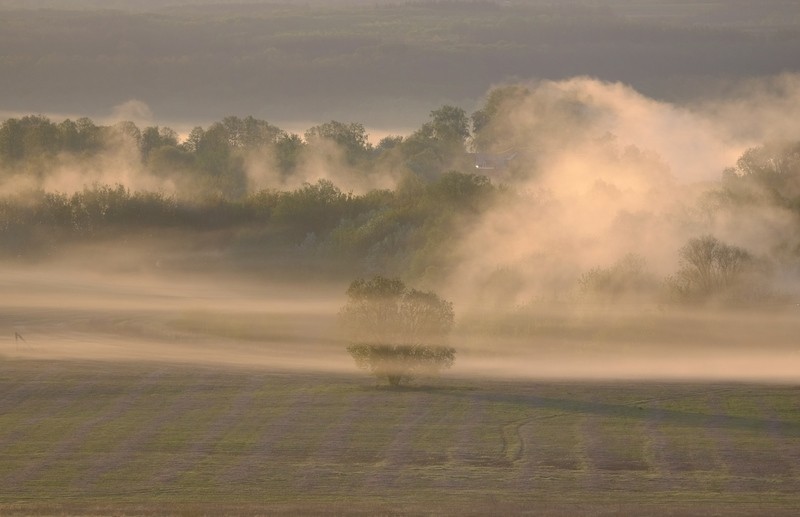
(153, 438)
(127, 400)
(399, 257)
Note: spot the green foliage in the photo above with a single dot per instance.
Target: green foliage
(450, 125)
(768, 173)
(389, 142)
(439, 144)
(288, 149)
(352, 138)
(710, 270)
(250, 133)
(628, 277)
(470, 192)
(29, 137)
(396, 332)
(401, 363)
(213, 149)
(409, 231)
(313, 208)
(155, 137)
(35, 137)
(488, 123)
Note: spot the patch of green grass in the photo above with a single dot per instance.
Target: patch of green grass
(243, 439)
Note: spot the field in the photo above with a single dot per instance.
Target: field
(134, 395)
(149, 438)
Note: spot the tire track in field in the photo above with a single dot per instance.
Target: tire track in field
(526, 432)
(202, 447)
(127, 450)
(274, 431)
(399, 450)
(67, 446)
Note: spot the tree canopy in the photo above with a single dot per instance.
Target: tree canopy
(395, 332)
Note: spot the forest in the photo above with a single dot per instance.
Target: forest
(490, 210)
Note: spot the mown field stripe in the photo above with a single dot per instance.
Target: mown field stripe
(399, 449)
(70, 443)
(67, 397)
(725, 448)
(327, 467)
(658, 450)
(749, 464)
(474, 418)
(600, 409)
(128, 449)
(13, 397)
(202, 447)
(788, 446)
(260, 454)
(338, 440)
(589, 443)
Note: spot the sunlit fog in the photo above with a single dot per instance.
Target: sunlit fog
(586, 219)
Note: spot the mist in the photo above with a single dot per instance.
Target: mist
(605, 171)
(68, 313)
(600, 178)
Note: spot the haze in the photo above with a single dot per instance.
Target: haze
(383, 63)
(556, 171)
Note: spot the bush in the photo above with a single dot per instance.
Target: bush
(711, 270)
(396, 332)
(628, 277)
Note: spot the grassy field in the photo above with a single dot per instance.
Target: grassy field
(84, 437)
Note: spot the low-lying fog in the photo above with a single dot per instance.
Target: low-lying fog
(75, 314)
(601, 173)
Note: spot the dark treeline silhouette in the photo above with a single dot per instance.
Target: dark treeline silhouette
(379, 229)
(211, 160)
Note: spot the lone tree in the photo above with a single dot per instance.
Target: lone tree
(711, 270)
(396, 332)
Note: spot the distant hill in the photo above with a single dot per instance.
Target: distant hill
(380, 61)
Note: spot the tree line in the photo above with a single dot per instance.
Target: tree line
(407, 231)
(211, 160)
